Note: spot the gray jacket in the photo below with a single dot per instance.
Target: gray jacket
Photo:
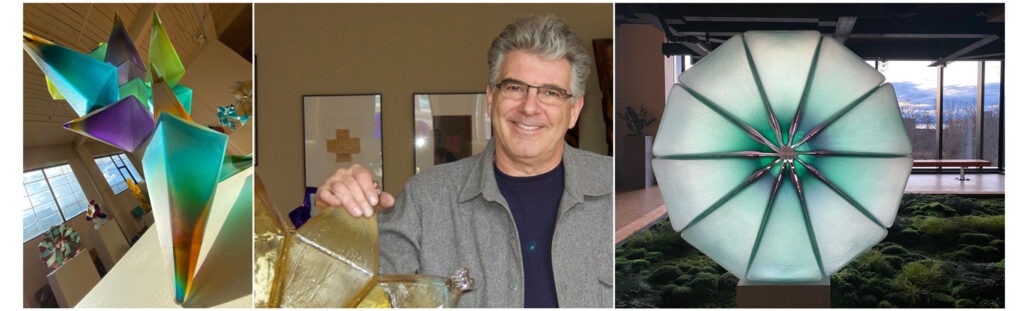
(454, 216)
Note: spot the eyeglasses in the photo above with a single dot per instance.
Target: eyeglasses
(517, 90)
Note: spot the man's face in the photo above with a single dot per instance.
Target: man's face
(528, 131)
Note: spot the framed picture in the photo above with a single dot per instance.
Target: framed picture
(449, 127)
(339, 131)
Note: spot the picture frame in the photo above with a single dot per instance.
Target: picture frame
(339, 131)
(449, 127)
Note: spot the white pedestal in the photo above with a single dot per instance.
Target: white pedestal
(802, 295)
(71, 281)
(110, 243)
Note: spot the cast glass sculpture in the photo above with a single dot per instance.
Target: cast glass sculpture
(331, 261)
(123, 103)
(782, 156)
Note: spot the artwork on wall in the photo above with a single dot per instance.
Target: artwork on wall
(339, 131)
(449, 127)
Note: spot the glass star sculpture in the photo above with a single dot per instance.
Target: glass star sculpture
(782, 156)
(133, 107)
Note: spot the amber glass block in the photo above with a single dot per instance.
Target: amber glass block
(330, 262)
(268, 246)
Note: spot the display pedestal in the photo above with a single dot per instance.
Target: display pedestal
(802, 295)
(110, 243)
(72, 280)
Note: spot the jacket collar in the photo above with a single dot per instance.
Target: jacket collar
(579, 181)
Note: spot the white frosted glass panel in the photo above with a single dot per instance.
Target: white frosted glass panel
(836, 245)
(840, 77)
(874, 125)
(692, 135)
(783, 76)
(785, 252)
(694, 185)
(876, 183)
(729, 232)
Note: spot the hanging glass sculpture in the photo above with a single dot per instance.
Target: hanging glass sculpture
(59, 245)
(782, 156)
(123, 103)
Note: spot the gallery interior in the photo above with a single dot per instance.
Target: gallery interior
(945, 62)
(65, 172)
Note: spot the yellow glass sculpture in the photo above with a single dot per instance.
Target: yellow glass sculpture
(331, 261)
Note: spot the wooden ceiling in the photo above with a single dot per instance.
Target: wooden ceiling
(82, 26)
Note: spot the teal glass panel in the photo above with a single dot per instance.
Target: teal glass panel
(234, 164)
(785, 251)
(696, 184)
(741, 96)
(184, 96)
(139, 89)
(86, 83)
(99, 52)
(728, 137)
(730, 231)
(783, 78)
(792, 193)
(182, 164)
(859, 129)
(824, 205)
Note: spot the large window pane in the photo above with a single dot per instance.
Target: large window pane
(116, 170)
(915, 85)
(52, 196)
(990, 143)
(960, 110)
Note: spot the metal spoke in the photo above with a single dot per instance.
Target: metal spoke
(797, 184)
(828, 153)
(719, 155)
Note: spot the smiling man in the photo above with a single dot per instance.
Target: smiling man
(530, 216)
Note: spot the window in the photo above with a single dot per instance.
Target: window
(117, 169)
(52, 196)
(990, 123)
(915, 85)
(960, 110)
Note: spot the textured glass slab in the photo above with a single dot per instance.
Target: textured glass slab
(162, 57)
(125, 124)
(781, 156)
(269, 233)
(86, 83)
(330, 262)
(409, 291)
(120, 52)
(182, 164)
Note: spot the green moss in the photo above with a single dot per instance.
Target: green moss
(664, 274)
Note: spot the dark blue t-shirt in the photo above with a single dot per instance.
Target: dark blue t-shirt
(534, 204)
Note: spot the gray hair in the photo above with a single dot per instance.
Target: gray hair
(545, 35)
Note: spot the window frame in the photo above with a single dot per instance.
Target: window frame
(114, 158)
(56, 201)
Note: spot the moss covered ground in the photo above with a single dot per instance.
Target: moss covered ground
(943, 251)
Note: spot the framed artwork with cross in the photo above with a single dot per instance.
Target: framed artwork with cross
(339, 131)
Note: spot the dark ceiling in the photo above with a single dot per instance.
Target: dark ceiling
(936, 32)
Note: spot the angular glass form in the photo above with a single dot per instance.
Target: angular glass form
(163, 58)
(165, 101)
(182, 164)
(233, 164)
(139, 89)
(184, 95)
(418, 291)
(126, 124)
(100, 52)
(269, 234)
(120, 52)
(782, 156)
(330, 262)
(86, 83)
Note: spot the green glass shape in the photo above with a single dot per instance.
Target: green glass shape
(86, 83)
(139, 89)
(54, 92)
(163, 58)
(182, 164)
(100, 52)
(233, 164)
(184, 96)
(781, 156)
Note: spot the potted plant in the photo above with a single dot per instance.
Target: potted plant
(634, 164)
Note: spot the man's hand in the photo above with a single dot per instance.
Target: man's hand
(354, 189)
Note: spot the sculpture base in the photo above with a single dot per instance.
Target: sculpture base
(801, 295)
